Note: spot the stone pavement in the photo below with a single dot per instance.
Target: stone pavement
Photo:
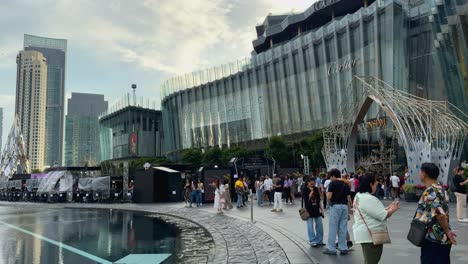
(288, 229)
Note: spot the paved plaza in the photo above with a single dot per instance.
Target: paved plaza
(275, 237)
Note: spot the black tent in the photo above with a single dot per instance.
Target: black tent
(157, 184)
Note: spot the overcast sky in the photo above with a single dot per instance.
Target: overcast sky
(114, 43)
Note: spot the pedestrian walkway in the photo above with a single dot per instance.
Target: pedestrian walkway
(288, 226)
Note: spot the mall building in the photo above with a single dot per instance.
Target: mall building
(302, 66)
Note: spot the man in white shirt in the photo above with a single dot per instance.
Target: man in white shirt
(395, 185)
(267, 184)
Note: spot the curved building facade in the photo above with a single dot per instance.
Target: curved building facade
(302, 66)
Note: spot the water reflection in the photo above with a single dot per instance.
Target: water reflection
(107, 234)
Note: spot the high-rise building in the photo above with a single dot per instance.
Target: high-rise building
(82, 145)
(30, 105)
(54, 50)
(1, 126)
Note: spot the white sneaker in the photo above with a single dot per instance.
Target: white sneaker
(463, 220)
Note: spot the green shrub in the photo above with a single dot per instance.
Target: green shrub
(409, 188)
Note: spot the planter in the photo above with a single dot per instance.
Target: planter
(411, 197)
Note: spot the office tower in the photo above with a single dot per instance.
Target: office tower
(82, 145)
(30, 105)
(54, 50)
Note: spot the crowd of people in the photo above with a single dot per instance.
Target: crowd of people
(346, 196)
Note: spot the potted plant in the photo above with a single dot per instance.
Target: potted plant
(410, 193)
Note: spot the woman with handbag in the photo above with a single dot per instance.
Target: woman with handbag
(370, 229)
(313, 213)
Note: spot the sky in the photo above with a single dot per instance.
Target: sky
(114, 43)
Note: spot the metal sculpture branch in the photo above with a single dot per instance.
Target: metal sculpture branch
(429, 130)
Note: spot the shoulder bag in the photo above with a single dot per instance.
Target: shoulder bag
(303, 212)
(418, 231)
(379, 237)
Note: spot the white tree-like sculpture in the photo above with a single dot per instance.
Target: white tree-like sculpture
(14, 154)
(430, 131)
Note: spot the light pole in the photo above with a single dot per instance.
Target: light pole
(306, 164)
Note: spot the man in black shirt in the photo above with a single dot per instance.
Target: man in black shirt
(278, 189)
(460, 192)
(339, 196)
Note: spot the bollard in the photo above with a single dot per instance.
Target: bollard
(251, 208)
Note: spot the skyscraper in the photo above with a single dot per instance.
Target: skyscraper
(82, 145)
(30, 105)
(54, 50)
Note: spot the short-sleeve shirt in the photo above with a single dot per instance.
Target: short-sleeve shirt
(374, 214)
(279, 184)
(267, 184)
(457, 179)
(340, 192)
(318, 182)
(433, 202)
(239, 185)
(395, 181)
(326, 184)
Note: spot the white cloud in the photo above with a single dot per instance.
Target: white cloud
(162, 37)
(171, 36)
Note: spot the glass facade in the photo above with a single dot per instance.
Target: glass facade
(82, 142)
(129, 132)
(55, 52)
(294, 87)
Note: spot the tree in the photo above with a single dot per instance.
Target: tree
(229, 153)
(213, 156)
(193, 156)
(315, 150)
(36, 171)
(277, 148)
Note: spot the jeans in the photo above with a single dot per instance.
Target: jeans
(239, 199)
(338, 224)
(199, 197)
(388, 192)
(194, 198)
(433, 253)
(278, 201)
(260, 197)
(315, 230)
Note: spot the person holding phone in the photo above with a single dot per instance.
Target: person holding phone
(311, 198)
(370, 214)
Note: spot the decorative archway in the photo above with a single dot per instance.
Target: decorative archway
(429, 130)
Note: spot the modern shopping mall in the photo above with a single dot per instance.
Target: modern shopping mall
(302, 66)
